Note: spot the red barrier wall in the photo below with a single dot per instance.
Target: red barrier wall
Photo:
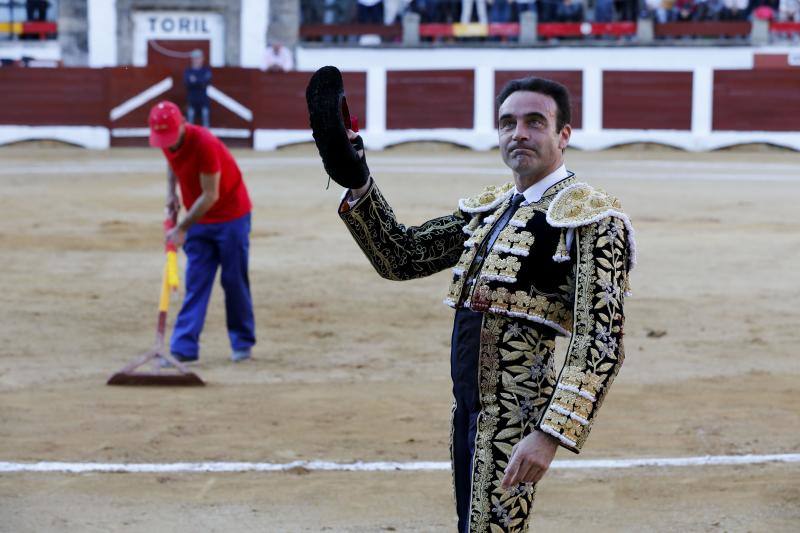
(768, 100)
(279, 99)
(63, 97)
(743, 100)
(429, 99)
(647, 100)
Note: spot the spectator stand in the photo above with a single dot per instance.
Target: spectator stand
(22, 20)
(558, 22)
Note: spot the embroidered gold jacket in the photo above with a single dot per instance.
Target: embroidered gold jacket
(562, 261)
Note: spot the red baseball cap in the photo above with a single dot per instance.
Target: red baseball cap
(165, 124)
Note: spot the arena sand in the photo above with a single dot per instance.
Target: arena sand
(352, 367)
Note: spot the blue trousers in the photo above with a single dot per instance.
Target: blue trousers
(199, 110)
(208, 247)
(464, 349)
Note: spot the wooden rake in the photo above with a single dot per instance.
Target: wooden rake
(157, 366)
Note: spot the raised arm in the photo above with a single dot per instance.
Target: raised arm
(396, 251)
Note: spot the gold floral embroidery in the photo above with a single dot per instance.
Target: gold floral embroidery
(470, 228)
(465, 260)
(478, 235)
(505, 267)
(581, 203)
(516, 378)
(398, 252)
(514, 240)
(489, 195)
(536, 307)
(595, 353)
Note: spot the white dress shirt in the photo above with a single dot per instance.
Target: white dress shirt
(534, 192)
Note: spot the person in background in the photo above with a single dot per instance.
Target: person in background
(370, 11)
(311, 11)
(466, 11)
(708, 10)
(500, 11)
(523, 6)
(569, 11)
(685, 10)
(393, 11)
(37, 9)
(548, 10)
(197, 78)
(277, 58)
(789, 10)
(604, 11)
(626, 9)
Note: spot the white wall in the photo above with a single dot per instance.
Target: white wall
(255, 17)
(102, 16)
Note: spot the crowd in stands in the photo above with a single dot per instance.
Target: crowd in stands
(27, 10)
(713, 10)
(503, 11)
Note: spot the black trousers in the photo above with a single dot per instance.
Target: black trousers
(465, 347)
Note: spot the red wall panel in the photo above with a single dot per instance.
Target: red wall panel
(647, 100)
(430, 99)
(571, 79)
(762, 100)
(236, 83)
(279, 99)
(48, 96)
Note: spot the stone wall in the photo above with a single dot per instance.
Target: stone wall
(284, 22)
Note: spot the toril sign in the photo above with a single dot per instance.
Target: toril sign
(179, 25)
(191, 25)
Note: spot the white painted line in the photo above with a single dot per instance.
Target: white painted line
(142, 98)
(228, 102)
(418, 466)
(232, 133)
(130, 132)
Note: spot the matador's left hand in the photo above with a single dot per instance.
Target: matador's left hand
(530, 459)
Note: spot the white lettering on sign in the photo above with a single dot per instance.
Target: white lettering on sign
(179, 25)
(182, 25)
(794, 59)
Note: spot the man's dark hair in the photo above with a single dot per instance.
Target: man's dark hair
(551, 88)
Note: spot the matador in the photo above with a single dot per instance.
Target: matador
(541, 256)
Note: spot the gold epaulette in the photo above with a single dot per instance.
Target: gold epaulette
(491, 197)
(581, 204)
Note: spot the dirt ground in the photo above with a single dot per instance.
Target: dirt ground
(351, 367)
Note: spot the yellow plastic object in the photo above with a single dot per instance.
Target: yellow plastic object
(172, 271)
(163, 302)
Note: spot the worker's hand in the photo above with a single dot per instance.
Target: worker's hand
(530, 459)
(176, 236)
(173, 205)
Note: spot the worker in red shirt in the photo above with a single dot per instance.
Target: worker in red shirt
(214, 232)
